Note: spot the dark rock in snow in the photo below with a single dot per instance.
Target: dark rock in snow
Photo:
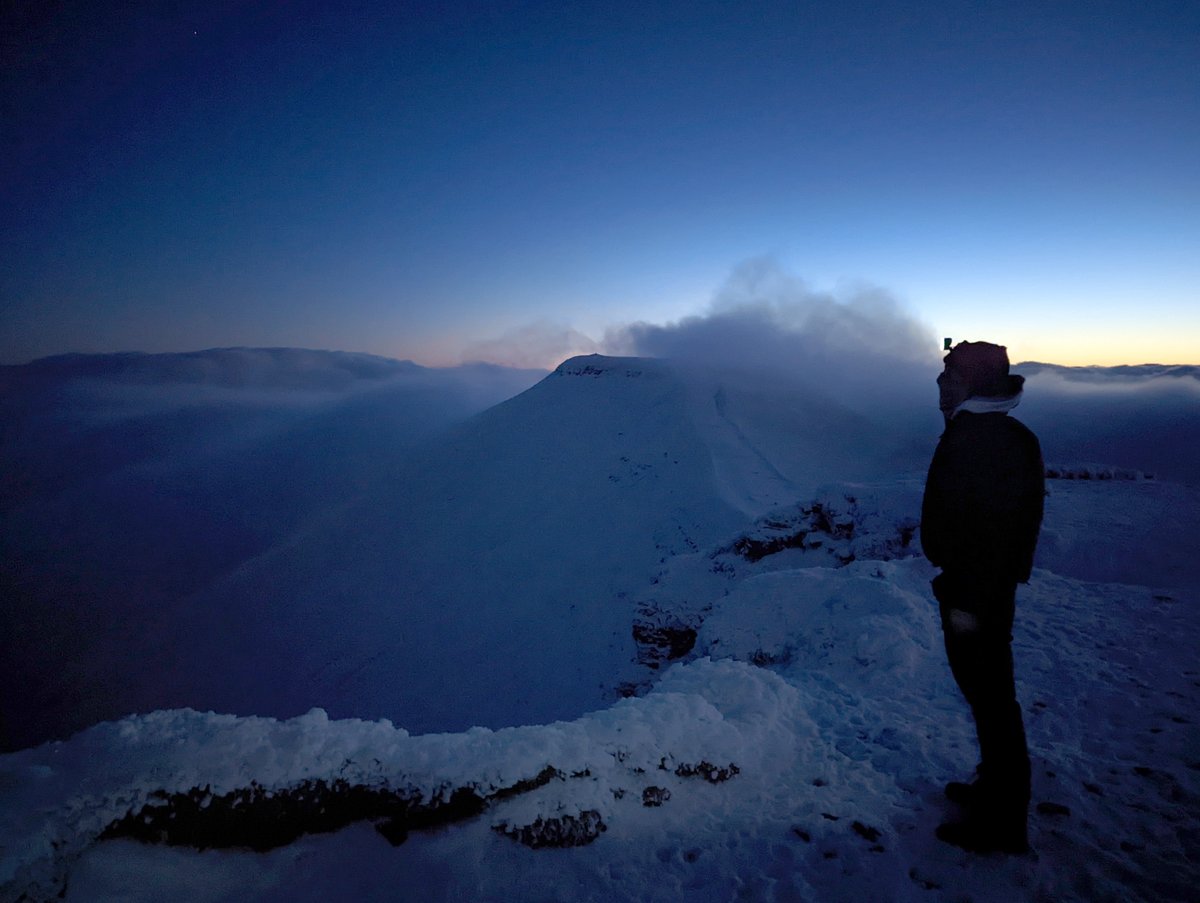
(1093, 472)
(560, 831)
(661, 642)
(259, 819)
(819, 527)
(711, 773)
(655, 796)
(866, 832)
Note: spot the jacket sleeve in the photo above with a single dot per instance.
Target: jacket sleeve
(1030, 490)
(937, 506)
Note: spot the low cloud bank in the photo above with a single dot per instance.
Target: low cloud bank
(1144, 380)
(1141, 418)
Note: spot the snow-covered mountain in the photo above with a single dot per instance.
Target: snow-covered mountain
(730, 550)
(266, 559)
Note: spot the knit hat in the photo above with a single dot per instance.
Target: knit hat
(984, 366)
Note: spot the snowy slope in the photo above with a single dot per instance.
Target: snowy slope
(825, 687)
(129, 482)
(359, 558)
(528, 527)
(790, 736)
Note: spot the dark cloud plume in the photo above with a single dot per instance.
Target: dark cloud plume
(857, 345)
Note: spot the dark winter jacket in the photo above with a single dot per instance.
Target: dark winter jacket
(983, 499)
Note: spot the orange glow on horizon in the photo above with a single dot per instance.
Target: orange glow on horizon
(1108, 351)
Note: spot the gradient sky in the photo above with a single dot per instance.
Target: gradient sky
(414, 179)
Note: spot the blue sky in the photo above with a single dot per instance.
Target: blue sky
(417, 179)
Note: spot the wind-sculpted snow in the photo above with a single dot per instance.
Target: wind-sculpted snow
(115, 777)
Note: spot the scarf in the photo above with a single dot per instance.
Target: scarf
(981, 405)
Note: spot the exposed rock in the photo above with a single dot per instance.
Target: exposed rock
(832, 531)
(839, 530)
(712, 773)
(655, 796)
(866, 832)
(1093, 472)
(260, 819)
(560, 831)
(661, 639)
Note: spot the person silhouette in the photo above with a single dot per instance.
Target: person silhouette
(980, 517)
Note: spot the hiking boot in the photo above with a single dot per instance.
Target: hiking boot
(967, 793)
(976, 835)
(963, 794)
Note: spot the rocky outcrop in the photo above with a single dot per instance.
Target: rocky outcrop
(833, 530)
(557, 831)
(837, 529)
(661, 638)
(258, 818)
(1093, 472)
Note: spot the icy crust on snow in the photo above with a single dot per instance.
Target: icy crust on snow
(61, 796)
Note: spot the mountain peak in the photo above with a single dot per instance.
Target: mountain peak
(597, 365)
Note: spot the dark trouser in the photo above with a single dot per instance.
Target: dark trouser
(977, 619)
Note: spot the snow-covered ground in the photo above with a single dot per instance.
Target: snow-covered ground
(742, 556)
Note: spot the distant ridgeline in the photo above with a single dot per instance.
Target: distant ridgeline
(264, 368)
